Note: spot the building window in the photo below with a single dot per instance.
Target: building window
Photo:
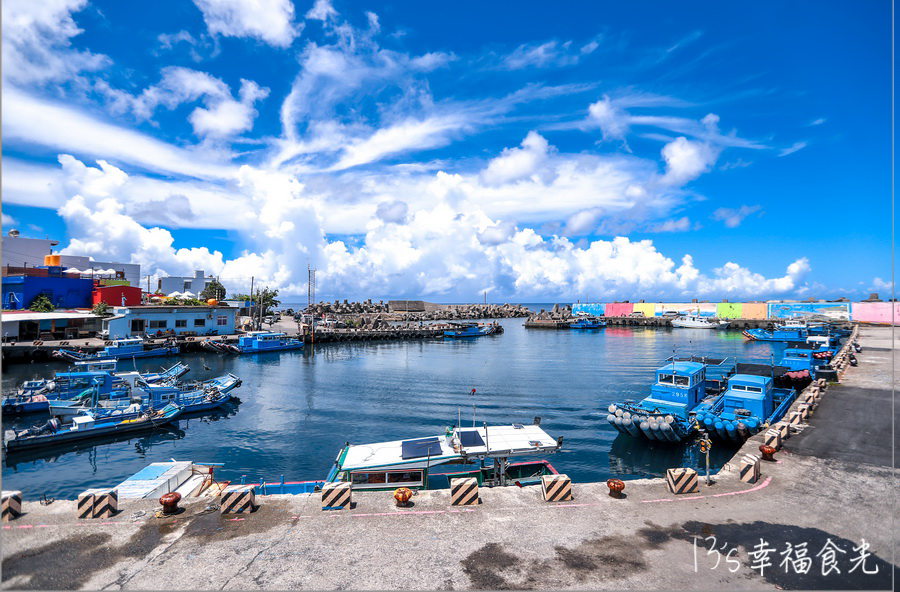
(187, 286)
(222, 321)
(180, 323)
(199, 322)
(137, 325)
(154, 324)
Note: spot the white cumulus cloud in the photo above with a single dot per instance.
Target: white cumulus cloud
(267, 20)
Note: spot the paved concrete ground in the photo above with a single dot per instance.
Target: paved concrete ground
(512, 540)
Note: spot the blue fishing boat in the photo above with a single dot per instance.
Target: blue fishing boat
(256, 342)
(812, 358)
(85, 427)
(750, 404)
(464, 330)
(587, 323)
(132, 347)
(35, 395)
(667, 414)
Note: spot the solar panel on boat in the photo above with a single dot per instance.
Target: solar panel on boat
(470, 438)
(760, 369)
(420, 448)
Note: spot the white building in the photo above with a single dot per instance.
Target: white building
(25, 252)
(194, 285)
(132, 271)
(135, 321)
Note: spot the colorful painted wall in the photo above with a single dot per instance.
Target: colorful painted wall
(648, 308)
(664, 307)
(755, 310)
(837, 311)
(619, 309)
(729, 310)
(596, 309)
(876, 312)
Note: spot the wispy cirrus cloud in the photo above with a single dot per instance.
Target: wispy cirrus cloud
(793, 148)
(732, 218)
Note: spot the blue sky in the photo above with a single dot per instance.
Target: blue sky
(606, 150)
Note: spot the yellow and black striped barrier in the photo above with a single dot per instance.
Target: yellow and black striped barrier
(682, 480)
(12, 505)
(556, 488)
(464, 491)
(237, 499)
(336, 495)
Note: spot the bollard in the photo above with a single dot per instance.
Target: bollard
(772, 438)
(106, 502)
(682, 480)
(616, 486)
(794, 418)
(464, 491)
(85, 505)
(809, 399)
(767, 451)
(784, 429)
(169, 502)
(803, 410)
(402, 495)
(749, 469)
(556, 488)
(821, 382)
(12, 505)
(237, 498)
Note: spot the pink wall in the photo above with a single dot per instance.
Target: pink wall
(875, 312)
(619, 309)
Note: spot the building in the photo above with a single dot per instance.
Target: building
(59, 324)
(116, 295)
(135, 321)
(17, 251)
(63, 290)
(127, 273)
(194, 285)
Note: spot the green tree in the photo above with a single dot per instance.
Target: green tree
(213, 290)
(268, 299)
(41, 304)
(101, 308)
(240, 297)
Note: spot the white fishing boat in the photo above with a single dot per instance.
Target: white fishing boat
(697, 322)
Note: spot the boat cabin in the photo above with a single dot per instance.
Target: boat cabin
(748, 396)
(679, 386)
(262, 340)
(406, 463)
(97, 366)
(125, 346)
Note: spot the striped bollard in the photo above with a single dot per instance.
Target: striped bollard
(749, 468)
(464, 491)
(85, 505)
(784, 429)
(682, 480)
(794, 418)
(12, 505)
(803, 410)
(821, 383)
(772, 438)
(556, 488)
(237, 499)
(106, 502)
(335, 496)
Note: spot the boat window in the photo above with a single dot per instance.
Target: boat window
(682, 381)
(366, 478)
(407, 477)
(667, 379)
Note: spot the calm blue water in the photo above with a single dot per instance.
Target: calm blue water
(297, 409)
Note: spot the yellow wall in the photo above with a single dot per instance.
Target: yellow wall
(648, 308)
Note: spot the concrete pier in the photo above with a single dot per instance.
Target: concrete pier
(831, 488)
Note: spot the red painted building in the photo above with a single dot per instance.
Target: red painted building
(113, 295)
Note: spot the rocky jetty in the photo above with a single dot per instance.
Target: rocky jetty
(558, 313)
(368, 313)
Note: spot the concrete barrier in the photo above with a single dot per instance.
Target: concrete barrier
(335, 496)
(97, 503)
(12, 505)
(750, 471)
(784, 429)
(682, 480)
(237, 499)
(464, 491)
(794, 418)
(556, 488)
(772, 438)
(803, 410)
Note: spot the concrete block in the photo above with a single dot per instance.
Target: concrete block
(803, 409)
(682, 480)
(97, 503)
(556, 488)
(464, 491)
(772, 438)
(335, 496)
(237, 499)
(12, 505)
(794, 418)
(750, 471)
(784, 429)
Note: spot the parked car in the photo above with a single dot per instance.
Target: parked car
(670, 314)
(636, 313)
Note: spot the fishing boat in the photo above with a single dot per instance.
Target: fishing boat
(666, 415)
(35, 395)
(750, 404)
(463, 330)
(85, 427)
(131, 347)
(256, 342)
(587, 323)
(192, 396)
(413, 463)
(811, 358)
(698, 322)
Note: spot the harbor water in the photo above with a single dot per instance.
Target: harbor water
(297, 409)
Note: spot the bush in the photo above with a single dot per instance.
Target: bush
(41, 304)
(101, 309)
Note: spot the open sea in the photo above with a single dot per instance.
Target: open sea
(297, 409)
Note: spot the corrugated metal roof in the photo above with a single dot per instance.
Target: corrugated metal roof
(45, 316)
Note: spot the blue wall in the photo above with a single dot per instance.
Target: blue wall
(596, 309)
(63, 292)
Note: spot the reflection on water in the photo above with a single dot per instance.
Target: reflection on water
(297, 409)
